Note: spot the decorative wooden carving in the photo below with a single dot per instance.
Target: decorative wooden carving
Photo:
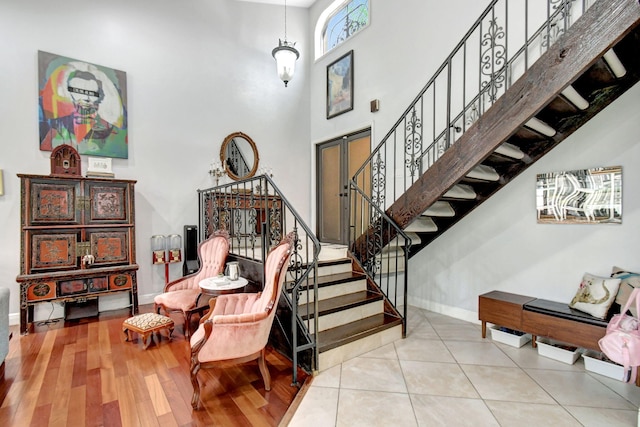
(65, 161)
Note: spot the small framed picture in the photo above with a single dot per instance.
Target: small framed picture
(340, 85)
(99, 167)
(99, 164)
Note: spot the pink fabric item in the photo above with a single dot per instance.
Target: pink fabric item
(213, 255)
(241, 323)
(181, 294)
(183, 299)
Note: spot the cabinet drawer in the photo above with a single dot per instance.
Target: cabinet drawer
(98, 284)
(82, 286)
(502, 308)
(119, 281)
(568, 331)
(41, 291)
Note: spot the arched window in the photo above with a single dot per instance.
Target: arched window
(341, 20)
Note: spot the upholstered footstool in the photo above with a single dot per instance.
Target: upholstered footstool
(145, 325)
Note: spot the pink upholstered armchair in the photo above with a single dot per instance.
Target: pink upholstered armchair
(181, 295)
(236, 329)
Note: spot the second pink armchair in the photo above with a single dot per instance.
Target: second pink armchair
(181, 296)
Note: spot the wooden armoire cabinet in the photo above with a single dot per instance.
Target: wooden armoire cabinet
(77, 241)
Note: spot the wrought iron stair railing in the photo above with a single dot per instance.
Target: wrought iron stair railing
(387, 270)
(258, 215)
(499, 48)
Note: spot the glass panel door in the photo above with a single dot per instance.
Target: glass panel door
(338, 160)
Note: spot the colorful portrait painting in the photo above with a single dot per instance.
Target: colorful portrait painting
(83, 105)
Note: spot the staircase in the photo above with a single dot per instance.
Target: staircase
(511, 123)
(352, 315)
(448, 199)
(484, 136)
(409, 191)
(338, 312)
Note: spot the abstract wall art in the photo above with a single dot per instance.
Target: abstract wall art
(83, 105)
(586, 196)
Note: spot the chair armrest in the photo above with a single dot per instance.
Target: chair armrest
(229, 319)
(235, 336)
(212, 305)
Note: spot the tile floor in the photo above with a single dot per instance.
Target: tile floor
(445, 374)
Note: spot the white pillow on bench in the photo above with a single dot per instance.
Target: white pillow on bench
(595, 295)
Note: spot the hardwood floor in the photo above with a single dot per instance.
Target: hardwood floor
(85, 373)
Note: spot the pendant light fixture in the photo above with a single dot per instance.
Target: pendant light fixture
(285, 54)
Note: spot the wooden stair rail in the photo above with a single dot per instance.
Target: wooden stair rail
(600, 28)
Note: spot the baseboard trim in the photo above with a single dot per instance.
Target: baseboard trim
(14, 318)
(447, 310)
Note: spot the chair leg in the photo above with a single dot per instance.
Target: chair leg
(146, 340)
(187, 325)
(195, 399)
(262, 364)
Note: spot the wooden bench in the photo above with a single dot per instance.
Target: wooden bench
(560, 322)
(501, 308)
(540, 317)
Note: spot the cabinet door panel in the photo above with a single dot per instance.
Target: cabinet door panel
(109, 246)
(109, 203)
(53, 251)
(54, 202)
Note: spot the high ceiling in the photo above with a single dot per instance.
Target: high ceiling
(296, 3)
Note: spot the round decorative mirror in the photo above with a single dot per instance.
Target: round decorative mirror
(239, 156)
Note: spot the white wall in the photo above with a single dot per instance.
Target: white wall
(393, 59)
(196, 71)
